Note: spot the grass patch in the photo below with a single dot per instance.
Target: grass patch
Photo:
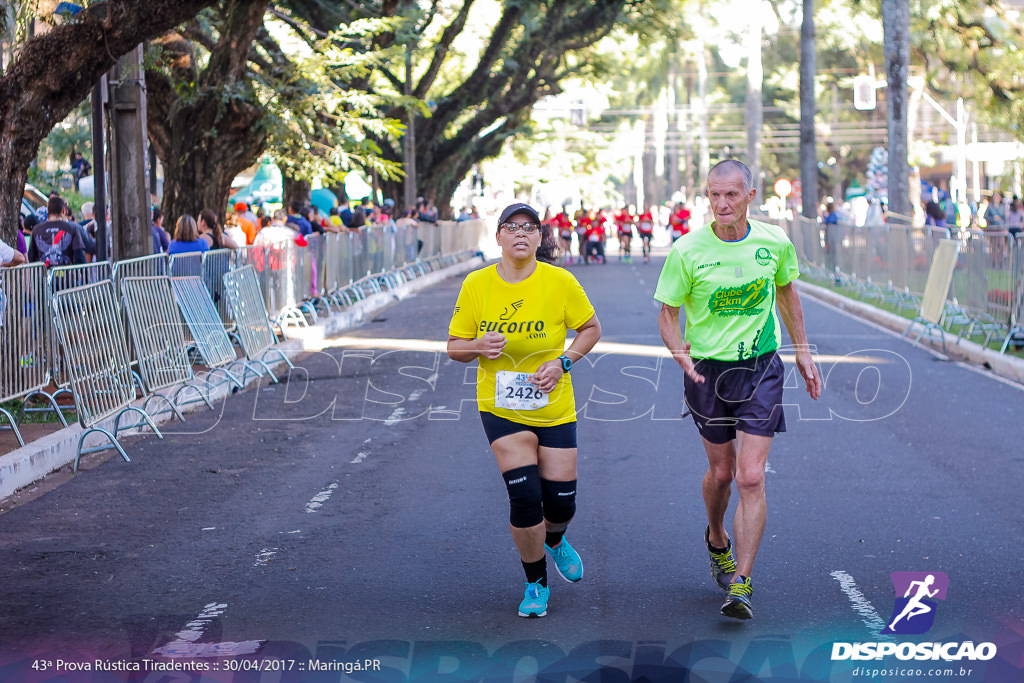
(14, 407)
(909, 313)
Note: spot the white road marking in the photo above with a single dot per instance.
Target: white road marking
(264, 557)
(186, 642)
(317, 501)
(395, 417)
(768, 469)
(860, 604)
(361, 455)
(988, 373)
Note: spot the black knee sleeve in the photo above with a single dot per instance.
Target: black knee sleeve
(559, 500)
(524, 496)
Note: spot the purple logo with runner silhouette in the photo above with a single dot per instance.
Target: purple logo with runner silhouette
(917, 594)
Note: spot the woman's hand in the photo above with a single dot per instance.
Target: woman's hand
(491, 345)
(547, 376)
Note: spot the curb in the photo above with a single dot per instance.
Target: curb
(25, 466)
(1007, 367)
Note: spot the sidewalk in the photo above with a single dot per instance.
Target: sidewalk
(1008, 367)
(56, 450)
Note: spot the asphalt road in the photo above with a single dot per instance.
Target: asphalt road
(349, 523)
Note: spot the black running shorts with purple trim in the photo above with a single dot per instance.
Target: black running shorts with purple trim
(744, 396)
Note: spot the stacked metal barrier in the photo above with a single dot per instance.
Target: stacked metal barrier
(253, 326)
(208, 333)
(215, 263)
(159, 343)
(87, 322)
(65, 325)
(25, 340)
(891, 263)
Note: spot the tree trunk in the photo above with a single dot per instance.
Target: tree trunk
(294, 189)
(54, 72)
(808, 108)
(896, 31)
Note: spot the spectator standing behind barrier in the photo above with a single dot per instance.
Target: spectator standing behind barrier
(9, 256)
(524, 391)
(728, 276)
(426, 211)
(79, 168)
(995, 214)
(409, 223)
(247, 224)
(186, 237)
(211, 233)
(298, 220)
(56, 241)
(234, 231)
(1015, 216)
(277, 231)
(22, 244)
(830, 220)
(161, 240)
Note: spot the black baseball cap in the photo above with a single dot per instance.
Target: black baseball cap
(513, 209)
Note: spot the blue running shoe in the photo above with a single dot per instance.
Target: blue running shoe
(737, 605)
(535, 600)
(567, 561)
(723, 565)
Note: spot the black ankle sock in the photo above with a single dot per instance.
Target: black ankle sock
(717, 550)
(553, 538)
(537, 571)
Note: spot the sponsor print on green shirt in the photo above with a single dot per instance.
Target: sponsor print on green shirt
(727, 289)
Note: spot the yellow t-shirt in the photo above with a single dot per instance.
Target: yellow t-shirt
(533, 315)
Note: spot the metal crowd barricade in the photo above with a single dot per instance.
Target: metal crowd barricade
(1016, 331)
(339, 269)
(25, 338)
(208, 333)
(186, 264)
(60, 278)
(214, 264)
(87, 323)
(158, 338)
(253, 325)
(155, 265)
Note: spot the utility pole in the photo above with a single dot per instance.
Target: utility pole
(130, 210)
(99, 165)
(808, 106)
(755, 104)
(409, 140)
(896, 31)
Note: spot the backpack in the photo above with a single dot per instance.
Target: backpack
(55, 253)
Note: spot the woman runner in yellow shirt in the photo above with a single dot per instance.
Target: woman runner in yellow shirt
(513, 317)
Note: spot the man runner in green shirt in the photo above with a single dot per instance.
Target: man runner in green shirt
(728, 277)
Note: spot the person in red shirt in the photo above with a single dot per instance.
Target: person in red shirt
(624, 223)
(679, 221)
(563, 226)
(583, 224)
(645, 227)
(595, 236)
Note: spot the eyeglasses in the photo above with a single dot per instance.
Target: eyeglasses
(512, 227)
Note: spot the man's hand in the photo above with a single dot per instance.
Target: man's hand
(686, 363)
(812, 379)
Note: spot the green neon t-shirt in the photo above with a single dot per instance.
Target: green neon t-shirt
(727, 289)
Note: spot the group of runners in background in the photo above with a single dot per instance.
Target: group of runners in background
(592, 229)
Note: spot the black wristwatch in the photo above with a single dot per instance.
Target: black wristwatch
(566, 363)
